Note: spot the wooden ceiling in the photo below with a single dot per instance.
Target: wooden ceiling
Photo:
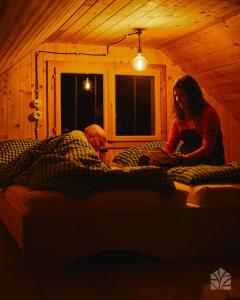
(100, 22)
(202, 36)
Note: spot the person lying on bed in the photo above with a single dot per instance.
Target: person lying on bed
(94, 134)
(196, 126)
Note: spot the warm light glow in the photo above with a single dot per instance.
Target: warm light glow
(139, 62)
(87, 85)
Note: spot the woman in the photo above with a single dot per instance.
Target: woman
(196, 127)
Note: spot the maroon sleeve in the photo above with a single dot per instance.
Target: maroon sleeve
(210, 127)
(173, 139)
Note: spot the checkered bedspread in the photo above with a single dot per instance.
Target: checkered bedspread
(70, 165)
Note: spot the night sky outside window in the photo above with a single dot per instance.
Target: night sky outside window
(134, 105)
(80, 107)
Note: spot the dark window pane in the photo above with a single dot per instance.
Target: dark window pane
(124, 105)
(68, 103)
(80, 108)
(143, 105)
(134, 105)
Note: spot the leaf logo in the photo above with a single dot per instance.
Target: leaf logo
(220, 280)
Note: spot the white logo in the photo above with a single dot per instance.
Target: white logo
(220, 280)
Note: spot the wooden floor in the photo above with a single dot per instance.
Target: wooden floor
(114, 277)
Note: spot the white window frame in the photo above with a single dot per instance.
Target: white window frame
(127, 70)
(79, 68)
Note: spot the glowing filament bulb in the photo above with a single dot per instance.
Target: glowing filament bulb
(87, 85)
(139, 62)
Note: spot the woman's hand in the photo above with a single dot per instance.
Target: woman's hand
(176, 160)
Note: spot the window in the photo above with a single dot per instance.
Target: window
(125, 102)
(79, 107)
(134, 103)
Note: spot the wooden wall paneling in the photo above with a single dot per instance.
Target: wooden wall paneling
(57, 88)
(13, 104)
(235, 138)
(225, 120)
(25, 90)
(92, 50)
(44, 123)
(72, 48)
(231, 133)
(126, 55)
(33, 124)
(229, 104)
(4, 106)
(162, 59)
(106, 103)
(230, 129)
(41, 123)
(169, 80)
(46, 103)
(1, 109)
(60, 48)
(51, 99)
(110, 116)
(163, 102)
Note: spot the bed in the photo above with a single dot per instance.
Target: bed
(171, 220)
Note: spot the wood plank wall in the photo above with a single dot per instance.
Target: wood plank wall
(17, 92)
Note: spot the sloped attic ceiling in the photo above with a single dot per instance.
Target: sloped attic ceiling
(201, 36)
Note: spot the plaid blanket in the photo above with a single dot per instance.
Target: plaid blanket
(70, 165)
(206, 174)
(10, 149)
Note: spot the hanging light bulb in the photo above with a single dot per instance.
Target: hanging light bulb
(139, 63)
(87, 85)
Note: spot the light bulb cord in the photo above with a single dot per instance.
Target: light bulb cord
(120, 39)
(139, 31)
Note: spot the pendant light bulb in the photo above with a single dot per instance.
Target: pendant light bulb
(87, 85)
(139, 63)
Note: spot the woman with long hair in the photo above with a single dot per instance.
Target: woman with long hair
(195, 129)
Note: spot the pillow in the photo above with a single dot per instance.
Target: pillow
(10, 149)
(130, 157)
(205, 174)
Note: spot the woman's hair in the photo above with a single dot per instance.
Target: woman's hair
(195, 101)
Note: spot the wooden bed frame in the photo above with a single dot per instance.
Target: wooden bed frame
(53, 230)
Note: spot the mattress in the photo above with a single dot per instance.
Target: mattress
(46, 202)
(53, 230)
(214, 195)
